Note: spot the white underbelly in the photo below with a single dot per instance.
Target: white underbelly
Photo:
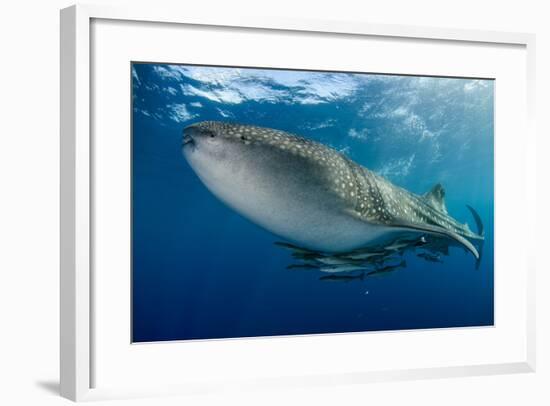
(306, 222)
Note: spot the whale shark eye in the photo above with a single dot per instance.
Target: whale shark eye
(244, 138)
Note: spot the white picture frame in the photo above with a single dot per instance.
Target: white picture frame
(76, 279)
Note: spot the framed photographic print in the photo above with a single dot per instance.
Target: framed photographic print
(238, 212)
(242, 228)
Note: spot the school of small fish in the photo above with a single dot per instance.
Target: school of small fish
(366, 262)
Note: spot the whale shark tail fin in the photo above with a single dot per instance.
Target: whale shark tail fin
(477, 219)
(480, 231)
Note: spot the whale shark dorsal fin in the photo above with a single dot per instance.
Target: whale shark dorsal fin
(436, 198)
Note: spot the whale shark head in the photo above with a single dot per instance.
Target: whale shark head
(209, 146)
(225, 158)
(227, 155)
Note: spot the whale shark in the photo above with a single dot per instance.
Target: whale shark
(315, 197)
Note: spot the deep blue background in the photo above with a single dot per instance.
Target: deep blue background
(200, 270)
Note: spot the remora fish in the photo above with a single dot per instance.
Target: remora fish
(312, 195)
(342, 278)
(430, 257)
(387, 269)
(342, 268)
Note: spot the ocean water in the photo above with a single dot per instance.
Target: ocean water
(200, 270)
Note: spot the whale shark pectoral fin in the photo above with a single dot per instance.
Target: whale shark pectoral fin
(427, 228)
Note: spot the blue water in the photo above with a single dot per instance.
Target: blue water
(201, 271)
